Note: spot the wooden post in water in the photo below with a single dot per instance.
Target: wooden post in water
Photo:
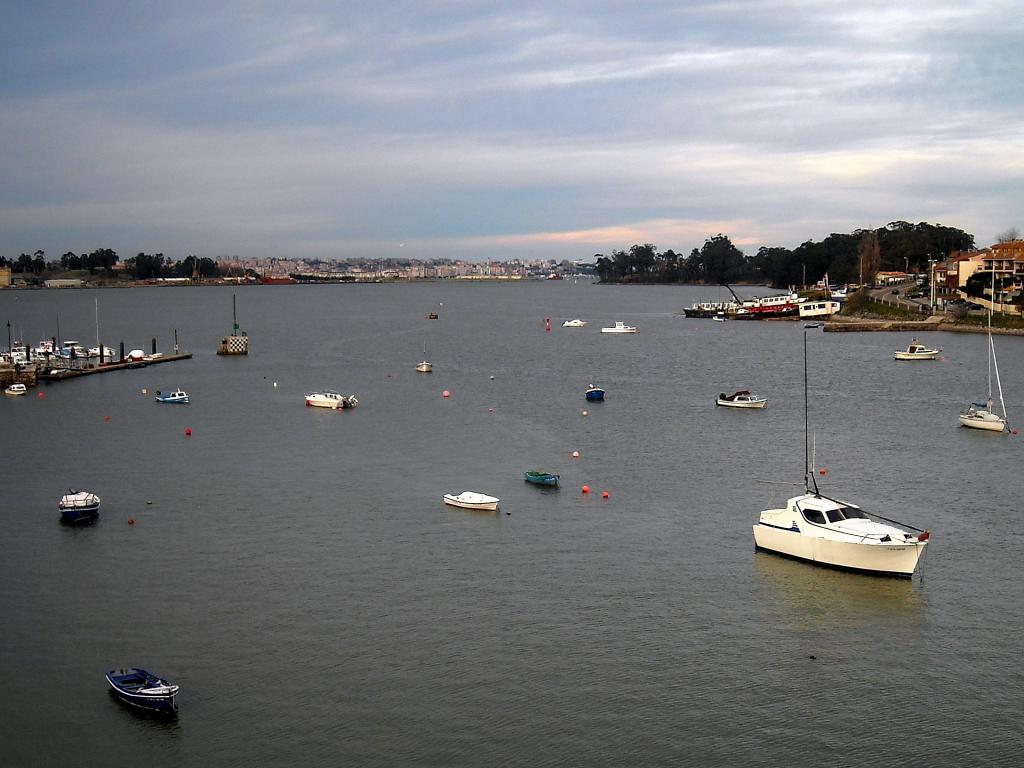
(121, 358)
(154, 346)
(175, 341)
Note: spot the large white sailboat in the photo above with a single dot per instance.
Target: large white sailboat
(829, 532)
(983, 415)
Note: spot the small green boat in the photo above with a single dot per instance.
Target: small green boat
(537, 477)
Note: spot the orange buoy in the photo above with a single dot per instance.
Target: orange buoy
(585, 489)
(604, 494)
(106, 418)
(131, 521)
(821, 471)
(575, 454)
(446, 393)
(188, 431)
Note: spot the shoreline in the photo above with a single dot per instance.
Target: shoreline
(934, 323)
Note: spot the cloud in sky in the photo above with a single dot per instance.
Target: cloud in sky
(478, 130)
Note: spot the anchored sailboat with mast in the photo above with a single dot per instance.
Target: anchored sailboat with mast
(837, 534)
(982, 415)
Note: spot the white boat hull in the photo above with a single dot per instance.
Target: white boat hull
(742, 404)
(424, 367)
(991, 424)
(470, 500)
(897, 559)
(931, 355)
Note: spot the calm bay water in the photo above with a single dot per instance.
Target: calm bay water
(297, 574)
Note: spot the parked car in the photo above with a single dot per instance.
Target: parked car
(895, 291)
(915, 295)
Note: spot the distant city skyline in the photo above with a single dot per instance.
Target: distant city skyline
(475, 131)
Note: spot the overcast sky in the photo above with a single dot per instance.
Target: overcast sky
(502, 130)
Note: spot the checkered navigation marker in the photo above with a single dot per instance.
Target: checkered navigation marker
(236, 345)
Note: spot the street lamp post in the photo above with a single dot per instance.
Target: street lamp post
(931, 281)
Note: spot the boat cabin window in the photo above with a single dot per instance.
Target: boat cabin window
(851, 513)
(835, 515)
(813, 516)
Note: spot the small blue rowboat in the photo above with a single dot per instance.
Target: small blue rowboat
(540, 478)
(595, 393)
(144, 690)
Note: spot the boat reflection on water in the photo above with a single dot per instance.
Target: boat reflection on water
(825, 599)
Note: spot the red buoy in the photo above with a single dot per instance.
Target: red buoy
(188, 431)
(923, 536)
(42, 395)
(821, 471)
(604, 494)
(131, 521)
(585, 489)
(446, 393)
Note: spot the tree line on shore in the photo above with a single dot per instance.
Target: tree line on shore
(845, 258)
(144, 266)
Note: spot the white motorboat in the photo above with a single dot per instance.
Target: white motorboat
(14, 390)
(719, 317)
(826, 531)
(916, 351)
(577, 323)
(741, 399)
(619, 327)
(328, 398)
(177, 396)
(472, 500)
(834, 533)
(108, 353)
(982, 415)
(79, 506)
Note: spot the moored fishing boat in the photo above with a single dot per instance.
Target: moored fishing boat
(78, 506)
(916, 351)
(177, 396)
(328, 398)
(472, 500)
(537, 477)
(829, 532)
(15, 390)
(619, 327)
(139, 688)
(741, 399)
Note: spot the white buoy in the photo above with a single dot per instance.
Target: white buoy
(275, 384)
(144, 390)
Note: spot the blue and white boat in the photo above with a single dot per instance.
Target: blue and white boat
(538, 477)
(177, 396)
(79, 506)
(139, 688)
(595, 393)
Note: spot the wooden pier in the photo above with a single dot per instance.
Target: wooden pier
(62, 374)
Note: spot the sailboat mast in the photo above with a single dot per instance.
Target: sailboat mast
(991, 349)
(97, 321)
(807, 466)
